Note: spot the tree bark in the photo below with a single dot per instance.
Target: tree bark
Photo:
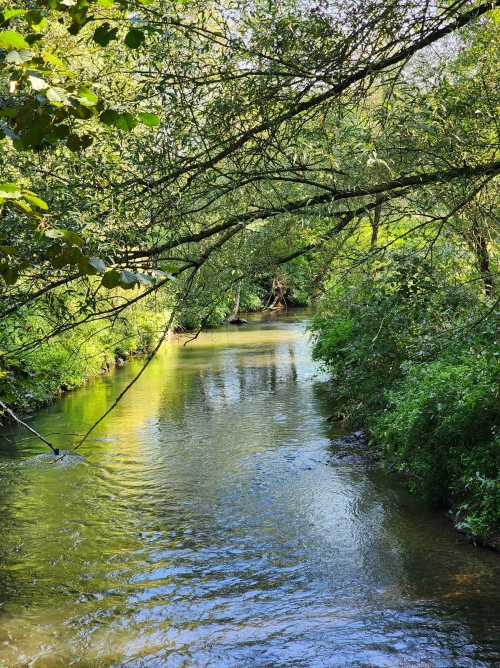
(375, 221)
(236, 306)
(480, 247)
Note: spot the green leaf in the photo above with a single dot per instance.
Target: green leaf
(12, 40)
(58, 262)
(169, 269)
(127, 278)
(10, 112)
(86, 141)
(73, 143)
(135, 38)
(35, 201)
(75, 256)
(56, 95)
(54, 249)
(61, 131)
(75, 28)
(51, 59)
(33, 137)
(111, 279)
(19, 57)
(149, 119)
(144, 278)
(11, 275)
(97, 264)
(10, 191)
(80, 111)
(36, 21)
(125, 122)
(8, 14)
(72, 237)
(87, 96)
(108, 117)
(85, 267)
(105, 3)
(10, 250)
(54, 233)
(32, 38)
(104, 34)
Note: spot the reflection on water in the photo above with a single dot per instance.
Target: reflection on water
(203, 525)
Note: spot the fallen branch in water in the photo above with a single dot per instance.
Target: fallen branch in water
(8, 411)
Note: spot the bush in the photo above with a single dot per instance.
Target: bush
(429, 396)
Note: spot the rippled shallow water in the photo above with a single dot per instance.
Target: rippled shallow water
(207, 524)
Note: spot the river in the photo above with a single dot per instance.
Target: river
(207, 522)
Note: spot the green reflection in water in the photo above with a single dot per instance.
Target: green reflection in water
(208, 524)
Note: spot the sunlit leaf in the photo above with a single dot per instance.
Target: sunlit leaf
(125, 122)
(8, 14)
(35, 201)
(10, 191)
(149, 119)
(51, 59)
(144, 278)
(97, 264)
(56, 95)
(127, 277)
(37, 82)
(87, 96)
(18, 57)
(12, 40)
(14, 204)
(73, 238)
(54, 233)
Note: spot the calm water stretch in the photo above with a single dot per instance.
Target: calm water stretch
(207, 523)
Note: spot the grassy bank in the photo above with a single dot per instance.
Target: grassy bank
(415, 358)
(34, 373)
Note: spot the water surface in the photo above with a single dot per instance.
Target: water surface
(207, 523)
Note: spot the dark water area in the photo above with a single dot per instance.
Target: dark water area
(206, 523)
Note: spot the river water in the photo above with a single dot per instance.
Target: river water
(207, 522)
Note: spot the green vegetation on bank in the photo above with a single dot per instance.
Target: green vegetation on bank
(415, 357)
(34, 375)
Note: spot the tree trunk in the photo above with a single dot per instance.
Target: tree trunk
(375, 221)
(480, 247)
(236, 306)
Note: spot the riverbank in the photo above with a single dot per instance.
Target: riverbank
(37, 371)
(357, 449)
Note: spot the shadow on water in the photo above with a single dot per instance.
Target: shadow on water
(203, 525)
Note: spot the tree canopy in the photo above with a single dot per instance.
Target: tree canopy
(179, 148)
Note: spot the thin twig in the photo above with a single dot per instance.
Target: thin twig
(7, 410)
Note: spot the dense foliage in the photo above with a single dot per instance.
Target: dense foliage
(166, 163)
(415, 357)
